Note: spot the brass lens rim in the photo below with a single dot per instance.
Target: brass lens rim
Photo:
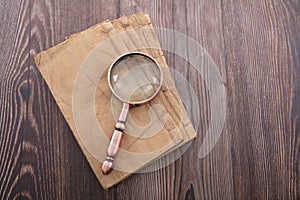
(129, 54)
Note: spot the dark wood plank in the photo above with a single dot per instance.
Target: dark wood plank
(261, 61)
(256, 46)
(14, 60)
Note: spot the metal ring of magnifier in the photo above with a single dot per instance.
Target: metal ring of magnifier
(141, 54)
(117, 135)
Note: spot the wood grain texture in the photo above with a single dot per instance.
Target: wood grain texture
(14, 58)
(256, 46)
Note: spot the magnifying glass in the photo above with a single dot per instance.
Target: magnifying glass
(134, 78)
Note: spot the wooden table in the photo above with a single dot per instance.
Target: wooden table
(256, 47)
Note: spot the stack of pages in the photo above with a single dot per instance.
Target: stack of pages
(76, 73)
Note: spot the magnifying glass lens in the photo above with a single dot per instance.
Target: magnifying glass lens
(135, 78)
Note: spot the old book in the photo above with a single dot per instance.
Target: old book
(76, 73)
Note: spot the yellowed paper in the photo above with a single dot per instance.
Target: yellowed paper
(76, 73)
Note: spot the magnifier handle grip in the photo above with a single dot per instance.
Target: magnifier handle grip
(115, 140)
(112, 150)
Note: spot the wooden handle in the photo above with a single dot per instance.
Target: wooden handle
(115, 140)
